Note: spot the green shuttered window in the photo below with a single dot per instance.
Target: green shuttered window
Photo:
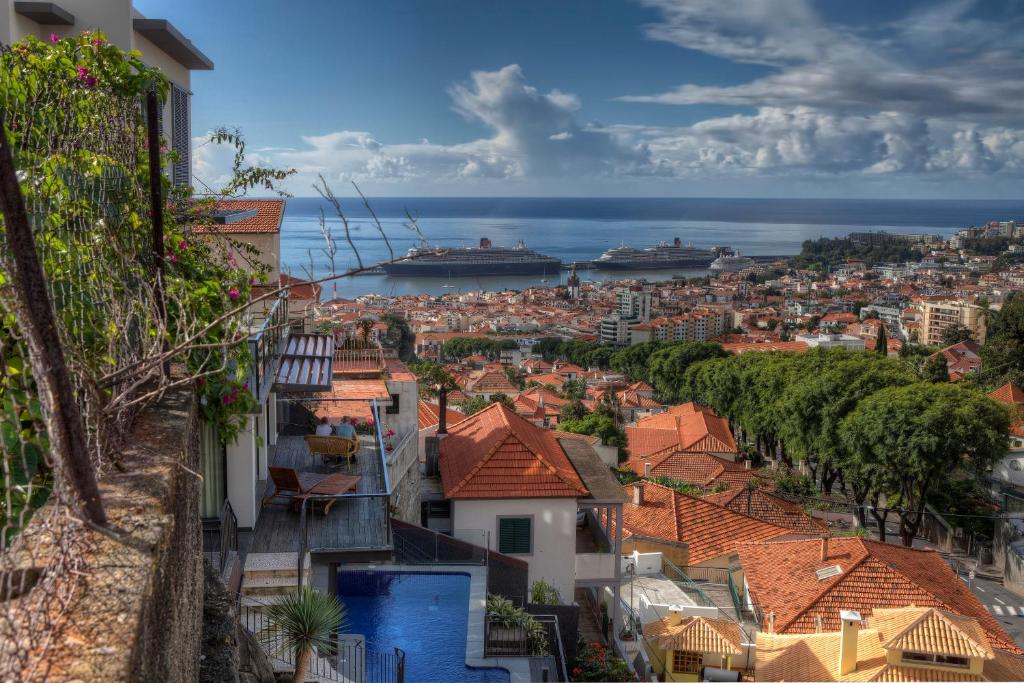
(514, 535)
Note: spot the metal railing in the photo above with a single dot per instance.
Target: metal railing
(402, 457)
(504, 639)
(686, 584)
(714, 575)
(220, 537)
(349, 660)
(358, 360)
(266, 344)
(416, 545)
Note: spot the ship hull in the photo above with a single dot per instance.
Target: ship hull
(665, 265)
(413, 269)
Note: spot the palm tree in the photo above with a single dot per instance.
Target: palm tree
(304, 621)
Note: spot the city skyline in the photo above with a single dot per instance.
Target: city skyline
(637, 98)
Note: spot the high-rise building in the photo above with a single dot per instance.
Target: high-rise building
(938, 316)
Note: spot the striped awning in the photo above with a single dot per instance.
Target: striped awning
(307, 364)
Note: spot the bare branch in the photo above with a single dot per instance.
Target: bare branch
(328, 194)
(373, 215)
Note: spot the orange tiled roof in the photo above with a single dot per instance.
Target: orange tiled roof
(702, 469)
(427, 415)
(781, 578)
(759, 503)
(498, 454)
(698, 427)
(269, 213)
(1008, 393)
(696, 634)
(709, 530)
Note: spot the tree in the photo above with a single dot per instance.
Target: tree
(431, 378)
(668, 366)
(475, 404)
(601, 426)
(515, 376)
(575, 389)
(400, 337)
(365, 326)
(632, 361)
(1003, 353)
(935, 369)
(573, 410)
(881, 341)
(303, 621)
(956, 334)
(910, 439)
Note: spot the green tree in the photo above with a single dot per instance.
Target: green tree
(515, 376)
(575, 389)
(935, 369)
(431, 378)
(399, 336)
(601, 426)
(573, 410)
(668, 366)
(1003, 353)
(632, 361)
(911, 439)
(302, 622)
(956, 334)
(881, 341)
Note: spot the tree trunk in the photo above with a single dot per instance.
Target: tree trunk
(880, 517)
(301, 666)
(828, 478)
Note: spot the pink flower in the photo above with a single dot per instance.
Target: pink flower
(97, 42)
(82, 73)
(183, 245)
(172, 258)
(233, 293)
(54, 38)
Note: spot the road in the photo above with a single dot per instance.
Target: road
(1005, 606)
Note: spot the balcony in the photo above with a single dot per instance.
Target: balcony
(357, 520)
(595, 558)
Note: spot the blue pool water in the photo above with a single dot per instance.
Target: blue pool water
(425, 614)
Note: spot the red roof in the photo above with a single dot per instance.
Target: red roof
(269, 213)
(498, 454)
(768, 507)
(428, 415)
(781, 578)
(1008, 393)
(702, 469)
(709, 530)
(698, 428)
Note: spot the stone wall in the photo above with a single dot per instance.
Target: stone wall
(135, 613)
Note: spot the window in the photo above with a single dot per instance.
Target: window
(181, 141)
(686, 662)
(515, 535)
(947, 660)
(394, 407)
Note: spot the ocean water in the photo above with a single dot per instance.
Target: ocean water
(578, 229)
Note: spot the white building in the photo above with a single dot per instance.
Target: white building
(831, 341)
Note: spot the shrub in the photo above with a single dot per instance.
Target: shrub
(543, 593)
(507, 615)
(595, 663)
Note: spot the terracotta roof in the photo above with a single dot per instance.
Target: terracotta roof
(743, 347)
(491, 382)
(702, 469)
(815, 656)
(269, 213)
(300, 289)
(1008, 393)
(696, 634)
(763, 505)
(709, 530)
(698, 427)
(498, 454)
(428, 413)
(781, 579)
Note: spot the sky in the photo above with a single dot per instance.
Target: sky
(715, 98)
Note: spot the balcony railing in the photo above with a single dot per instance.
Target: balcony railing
(266, 342)
(504, 639)
(362, 359)
(220, 537)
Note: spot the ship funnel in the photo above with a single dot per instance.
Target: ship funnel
(676, 242)
(484, 243)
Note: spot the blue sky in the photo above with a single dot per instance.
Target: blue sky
(631, 97)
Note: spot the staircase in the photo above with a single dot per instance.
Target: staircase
(268, 576)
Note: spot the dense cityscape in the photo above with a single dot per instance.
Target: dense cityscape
(653, 461)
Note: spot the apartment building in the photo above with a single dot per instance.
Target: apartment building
(938, 316)
(160, 44)
(699, 325)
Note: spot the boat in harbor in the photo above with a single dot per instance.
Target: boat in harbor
(485, 259)
(662, 256)
(730, 263)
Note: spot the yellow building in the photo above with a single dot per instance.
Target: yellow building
(938, 316)
(681, 646)
(902, 644)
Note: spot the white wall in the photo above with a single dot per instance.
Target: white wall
(554, 534)
(241, 474)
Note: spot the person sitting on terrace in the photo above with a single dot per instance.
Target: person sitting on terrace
(345, 429)
(323, 428)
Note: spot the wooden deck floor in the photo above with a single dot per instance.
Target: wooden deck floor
(353, 522)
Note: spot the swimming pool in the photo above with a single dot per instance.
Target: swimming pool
(423, 613)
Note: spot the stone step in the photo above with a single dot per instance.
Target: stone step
(281, 564)
(269, 585)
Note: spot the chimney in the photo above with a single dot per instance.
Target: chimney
(647, 470)
(817, 623)
(442, 411)
(675, 617)
(746, 464)
(638, 493)
(848, 641)
(824, 547)
(769, 622)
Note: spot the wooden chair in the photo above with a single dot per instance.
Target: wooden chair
(295, 487)
(333, 448)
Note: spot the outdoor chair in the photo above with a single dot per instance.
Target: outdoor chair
(294, 487)
(333, 449)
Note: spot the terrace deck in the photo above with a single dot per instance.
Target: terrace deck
(353, 523)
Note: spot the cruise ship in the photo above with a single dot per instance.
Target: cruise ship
(731, 263)
(486, 259)
(659, 257)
